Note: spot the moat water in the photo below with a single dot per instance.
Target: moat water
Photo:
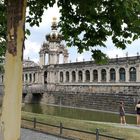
(75, 113)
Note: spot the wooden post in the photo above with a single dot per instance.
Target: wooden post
(61, 128)
(97, 134)
(34, 122)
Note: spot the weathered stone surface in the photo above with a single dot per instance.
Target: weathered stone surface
(108, 101)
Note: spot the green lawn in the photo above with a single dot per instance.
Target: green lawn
(129, 132)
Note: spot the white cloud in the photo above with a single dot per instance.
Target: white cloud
(32, 44)
(31, 50)
(38, 37)
(80, 57)
(47, 18)
(113, 52)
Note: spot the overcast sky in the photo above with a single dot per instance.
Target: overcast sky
(37, 37)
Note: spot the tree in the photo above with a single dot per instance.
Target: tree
(11, 107)
(2, 29)
(95, 20)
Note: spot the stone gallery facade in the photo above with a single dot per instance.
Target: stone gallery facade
(80, 84)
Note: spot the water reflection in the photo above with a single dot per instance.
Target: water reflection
(76, 113)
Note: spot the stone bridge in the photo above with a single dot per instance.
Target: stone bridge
(29, 88)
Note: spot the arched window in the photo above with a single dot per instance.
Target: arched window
(2, 78)
(26, 77)
(45, 77)
(80, 76)
(30, 77)
(103, 75)
(61, 76)
(73, 76)
(132, 74)
(67, 76)
(122, 74)
(61, 58)
(112, 74)
(34, 77)
(87, 75)
(95, 75)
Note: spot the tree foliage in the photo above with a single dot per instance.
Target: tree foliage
(2, 28)
(89, 24)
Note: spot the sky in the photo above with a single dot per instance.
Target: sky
(35, 40)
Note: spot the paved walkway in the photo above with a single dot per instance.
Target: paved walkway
(27, 134)
(127, 126)
(131, 126)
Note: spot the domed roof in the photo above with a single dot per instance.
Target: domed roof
(29, 63)
(54, 36)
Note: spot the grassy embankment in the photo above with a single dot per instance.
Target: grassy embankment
(129, 132)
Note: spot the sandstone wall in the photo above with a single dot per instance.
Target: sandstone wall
(102, 97)
(91, 97)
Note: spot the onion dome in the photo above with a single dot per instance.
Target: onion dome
(54, 36)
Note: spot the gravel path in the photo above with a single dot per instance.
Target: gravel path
(27, 134)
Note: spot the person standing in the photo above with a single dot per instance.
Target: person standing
(122, 113)
(137, 108)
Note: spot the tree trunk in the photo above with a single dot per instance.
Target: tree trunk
(11, 106)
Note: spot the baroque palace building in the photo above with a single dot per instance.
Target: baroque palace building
(79, 84)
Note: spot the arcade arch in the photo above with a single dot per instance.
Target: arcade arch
(95, 75)
(132, 74)
(122, 74)
(100, 75)
(80, 76)
(73, 76)
(103, 75)
(67, 76)
(45, 77)
(112, 74)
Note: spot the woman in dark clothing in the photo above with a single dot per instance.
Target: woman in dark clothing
(137, 108)
(122, 113)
